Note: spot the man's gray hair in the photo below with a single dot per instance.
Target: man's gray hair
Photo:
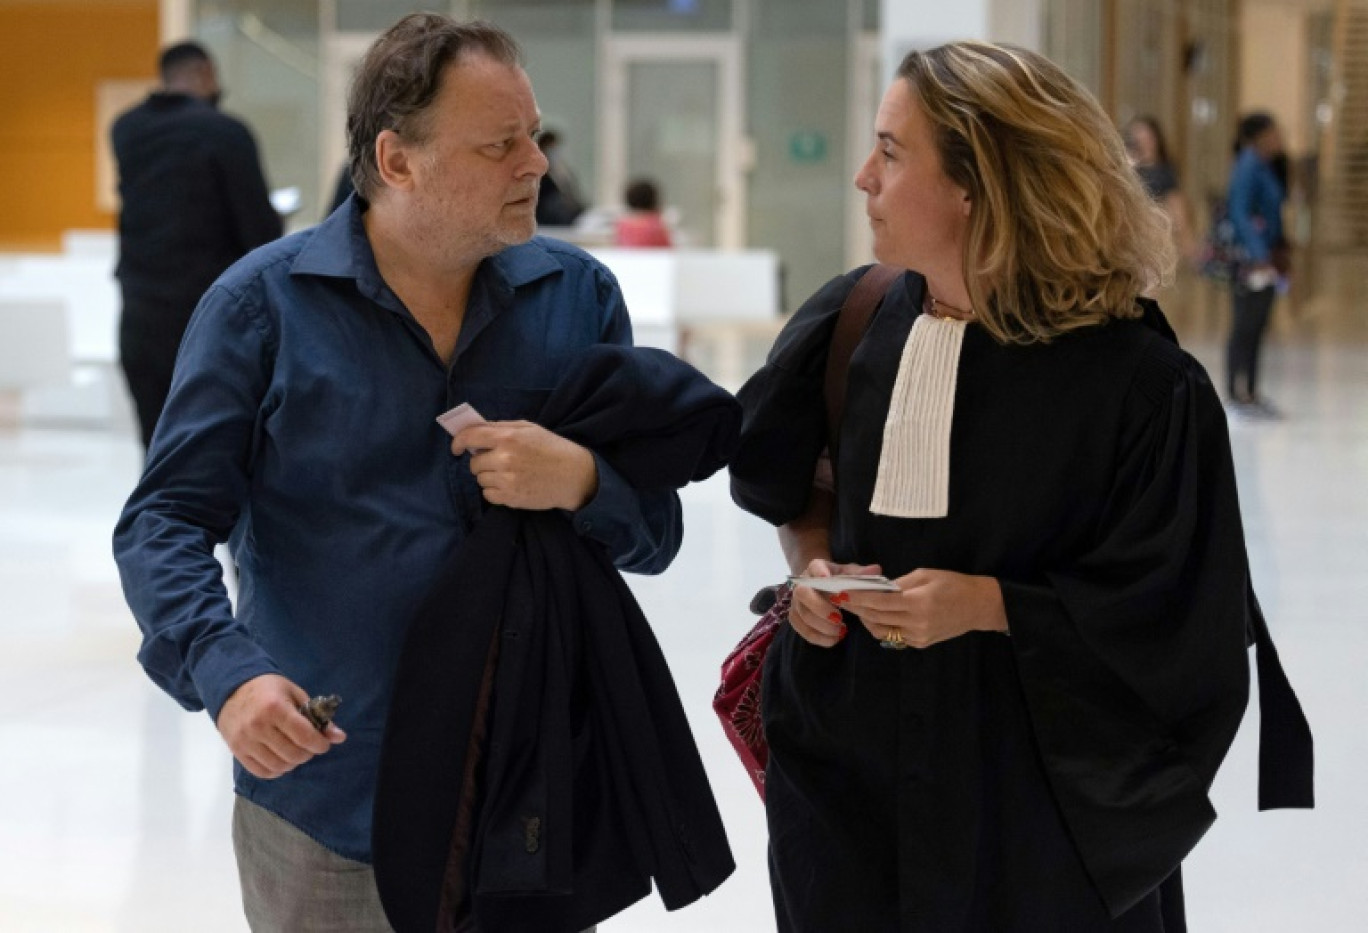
(400, 77)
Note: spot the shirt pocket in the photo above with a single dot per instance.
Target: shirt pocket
(494, 403)
(507, 403)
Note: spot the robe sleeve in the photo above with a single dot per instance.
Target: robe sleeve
(783, 426)
(1133, 659)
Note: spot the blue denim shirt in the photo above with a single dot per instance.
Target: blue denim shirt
(300, 429)
(1255, 205)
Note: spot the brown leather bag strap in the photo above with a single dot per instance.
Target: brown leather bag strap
(851, 324)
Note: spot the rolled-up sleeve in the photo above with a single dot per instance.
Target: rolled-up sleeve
(188, 500)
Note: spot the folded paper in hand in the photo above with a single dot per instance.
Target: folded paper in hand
(845, 583)
(459, 418)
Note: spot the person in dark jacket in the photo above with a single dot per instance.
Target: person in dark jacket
(194, 201)
(559, 202)
(1021, 735)
(342, 189)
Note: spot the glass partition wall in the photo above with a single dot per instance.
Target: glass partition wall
(268, 54)
(753, 115)
(746, 112)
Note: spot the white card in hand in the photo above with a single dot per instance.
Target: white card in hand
(845, 583)
(459, 418)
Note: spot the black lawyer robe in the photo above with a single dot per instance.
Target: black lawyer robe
(1056, 778)
(591, 783)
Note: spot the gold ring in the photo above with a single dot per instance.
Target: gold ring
(893, 640)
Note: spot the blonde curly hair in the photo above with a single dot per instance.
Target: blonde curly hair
(1061, 232)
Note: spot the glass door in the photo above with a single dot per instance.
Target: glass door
(671, 130)
(672, 116)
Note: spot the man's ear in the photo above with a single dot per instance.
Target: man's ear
(394, 160)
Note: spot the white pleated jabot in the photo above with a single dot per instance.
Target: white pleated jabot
(914, 465)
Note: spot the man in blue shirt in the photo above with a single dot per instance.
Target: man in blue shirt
(300, 428)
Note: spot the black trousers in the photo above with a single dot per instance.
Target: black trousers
(150, 332)
(1249, 319)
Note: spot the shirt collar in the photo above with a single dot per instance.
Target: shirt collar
(525, 263)
(339, 248)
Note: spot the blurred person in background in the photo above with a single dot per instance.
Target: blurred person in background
(559, 202)
(194, 201)
(1254, 202)
(1022, 735)
(343, 188)
(642, 224)
(1148, 151)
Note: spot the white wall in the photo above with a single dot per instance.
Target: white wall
(923, 24)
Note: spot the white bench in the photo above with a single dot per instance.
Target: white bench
(35, 344)
(76, 286)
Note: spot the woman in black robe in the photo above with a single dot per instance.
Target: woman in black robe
(1047, 478)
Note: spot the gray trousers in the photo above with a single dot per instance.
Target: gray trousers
(291, 884)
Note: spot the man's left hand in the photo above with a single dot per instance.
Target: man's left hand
(931, 606)
(524, 466)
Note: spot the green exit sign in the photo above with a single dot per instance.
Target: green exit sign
(807, 147)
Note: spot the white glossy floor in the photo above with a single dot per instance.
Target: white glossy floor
(114, 805)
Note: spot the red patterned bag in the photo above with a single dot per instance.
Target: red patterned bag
(737, 702)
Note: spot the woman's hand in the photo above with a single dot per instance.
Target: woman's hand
(931, 606)
(814, 615)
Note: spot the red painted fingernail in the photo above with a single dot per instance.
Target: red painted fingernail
(835, 617)
(842, 597)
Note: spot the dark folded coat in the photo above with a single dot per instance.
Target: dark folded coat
(582, 782)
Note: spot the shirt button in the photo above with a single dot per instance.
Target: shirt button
(586, 525)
